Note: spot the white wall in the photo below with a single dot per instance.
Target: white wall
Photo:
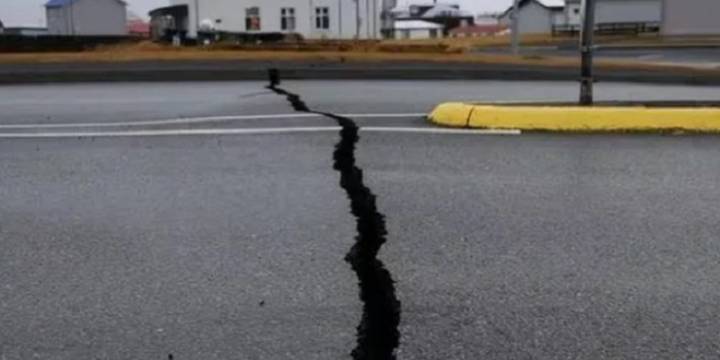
(611, 11)
(416, 34)
(534, 18)
(99, 17)
(573, 13)
(57, 19)
(88, 17)
(343, 16)
(691, 17)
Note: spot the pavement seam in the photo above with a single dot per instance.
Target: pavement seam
(378, 335)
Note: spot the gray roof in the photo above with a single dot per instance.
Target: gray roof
(548, 4)
(61, 3)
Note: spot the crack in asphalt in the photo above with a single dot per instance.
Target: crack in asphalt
(377, 334)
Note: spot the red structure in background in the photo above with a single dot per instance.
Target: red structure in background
(478, 30)
(138, 28)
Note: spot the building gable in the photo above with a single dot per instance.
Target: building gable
(551, 5)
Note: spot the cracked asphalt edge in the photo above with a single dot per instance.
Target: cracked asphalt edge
(378, 335)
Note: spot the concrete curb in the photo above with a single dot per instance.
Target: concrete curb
(612, 117)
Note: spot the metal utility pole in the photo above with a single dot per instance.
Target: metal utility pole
(515, 18)
(586, 52)
(72, 18)
(357, 19)
(367, 18)
(197, 21)
(340, 15)
(374, 19)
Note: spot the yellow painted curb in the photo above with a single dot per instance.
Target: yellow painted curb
(577, 118)
(453, 114)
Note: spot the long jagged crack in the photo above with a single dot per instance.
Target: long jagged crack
(377, 334)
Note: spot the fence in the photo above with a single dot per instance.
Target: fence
(619, 28)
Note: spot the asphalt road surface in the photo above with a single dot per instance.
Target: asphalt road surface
(704, 57)
(710, 56)
(152, 238)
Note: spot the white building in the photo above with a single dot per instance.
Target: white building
(86, 17)
(423, 19)
(545, 16)
(690, 17)
(417, 29)
(313, 19)
(536, 16)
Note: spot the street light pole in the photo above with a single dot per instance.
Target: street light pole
(515, 27)
(340, 15)
(374, 19)
(357, 19)
(197, 21)
(72, 18)
(586, 52)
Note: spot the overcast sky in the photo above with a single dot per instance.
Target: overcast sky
(31, 12)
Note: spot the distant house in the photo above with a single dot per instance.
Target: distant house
(448, 15)
(22, 30)
(536, 16)
(86, 17)
(487, 19)
(25, 30)
(169, 22)
(417, 29)
(697, 17)
(138, 28)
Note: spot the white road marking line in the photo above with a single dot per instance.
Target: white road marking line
(381, 115)
(256, 131)
(203, 119)
(446, 131)
(177, 132)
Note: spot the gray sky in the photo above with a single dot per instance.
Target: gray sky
(31, 12)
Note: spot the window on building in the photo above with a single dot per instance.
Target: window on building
(252, 19)
(322, 18)
(287, 19)
(576, 11)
